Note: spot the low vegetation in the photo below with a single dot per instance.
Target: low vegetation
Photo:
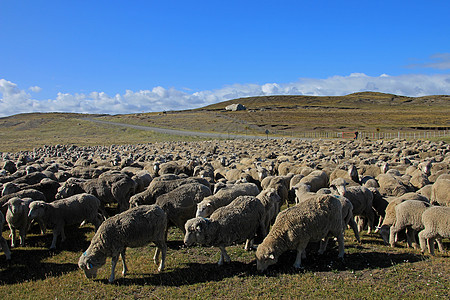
(370, 270)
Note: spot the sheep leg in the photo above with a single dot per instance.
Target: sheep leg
(422, 241)
(300, 254)
(393, 235)
(380, 222)
(5, 248)
(223, 256)
(248, 244)
(56, 232)
(354, 227)
(410, 238)
(13, 236)
(340, 239)
(114, 260)
(440, 245)
(161, 248)
(22, 234)
(124, 264)
(431, 245)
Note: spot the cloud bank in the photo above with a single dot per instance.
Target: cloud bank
(15, 100)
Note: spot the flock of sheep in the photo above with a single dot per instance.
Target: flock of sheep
(221, 193)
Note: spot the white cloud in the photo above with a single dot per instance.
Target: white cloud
(440, 61)
(14, 100)
(35, 89)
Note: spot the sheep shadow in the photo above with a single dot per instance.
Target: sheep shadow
(191, 274)
(27, 265)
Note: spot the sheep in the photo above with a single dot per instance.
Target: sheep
(360, 197)
(436, 222)
(440, 192)
(272, 203)
(69, 211)
(310, 220)
(180, 204)
(3, 242)
(316, 180)
(280, 184)
(17, 218)
(237, 222)
(391, 185)
(133, 228)
(27, 193)
(224, 197)
(389, 218)
(408, 215)
(160, 186)
(108, 187)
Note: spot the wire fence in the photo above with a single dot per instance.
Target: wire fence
(375, 135)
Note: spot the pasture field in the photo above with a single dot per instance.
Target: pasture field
(284, 116)
(370, 271)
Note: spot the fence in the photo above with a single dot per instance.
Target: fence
(376, 135)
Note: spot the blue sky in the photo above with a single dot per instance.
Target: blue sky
(135, 56)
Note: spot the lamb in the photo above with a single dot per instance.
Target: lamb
(224, 197)
(436, 222)
(180, 204)
(360, 197)
(310, 220)
(408, 215)
(440, 192)
(69, 211)
(237, 222)
(17, 218)
(3, 243)
(133, 228)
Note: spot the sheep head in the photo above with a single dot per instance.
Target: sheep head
(196, 231)
(90, 264)
(265, 257)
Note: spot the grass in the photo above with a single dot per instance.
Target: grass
(370, 270)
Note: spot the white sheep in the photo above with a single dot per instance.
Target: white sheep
(408, 215)
(17, 218)
(440, 192)
(3, 243)
(69, 211)
(237, 222)
(360, 197)
(224, 197)
(436, 222)
(133, 228)
(311, 220)
(272, 203)
(317, 179)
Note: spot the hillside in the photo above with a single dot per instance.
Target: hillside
(288, 116)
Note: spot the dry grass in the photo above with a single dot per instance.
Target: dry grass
(370, 270)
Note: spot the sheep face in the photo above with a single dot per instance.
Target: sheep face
(384, 232)
(90, 265)
(37, 210)
(195, 231)
(15, 205)
(265, 257)
(204, 210)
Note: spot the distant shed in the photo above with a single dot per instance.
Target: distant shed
(235, 107)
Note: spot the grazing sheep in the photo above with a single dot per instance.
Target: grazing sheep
(280, 184)
(310, 220)
(180, 204)
(224, 197)
(408, 215)
(436, 222)
(237, 222)
(440, 192)
(69, 211)
(361, 199)
(133, 228)
(3, 243)
(17, 218)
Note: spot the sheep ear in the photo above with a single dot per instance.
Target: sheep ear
(271, 256)
(198, 228)
(209, 204)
